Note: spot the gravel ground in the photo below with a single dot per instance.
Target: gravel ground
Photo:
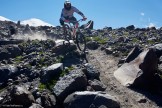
(128, 98)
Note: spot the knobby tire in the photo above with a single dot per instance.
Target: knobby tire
(67, 33)
(80, 41)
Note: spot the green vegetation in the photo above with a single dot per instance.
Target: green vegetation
(98, 39)
(18, 59)
(41, 87)
(88, 39)
(23, 45)
(151, 42)
(41, 62)
(59, 58)
(126, 33)
(42, 59)
(135, 40)
(113, 36)
(125, 53)
(29, 66)
(67, 70)
(36, 41)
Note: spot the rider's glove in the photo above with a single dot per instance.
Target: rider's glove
(66, 21)
(84, 18)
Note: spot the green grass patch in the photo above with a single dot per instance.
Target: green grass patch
(135, 40)
(42, 87)
(100, 40)
(126, 34)
(18, 59)
(88, 39)
(151, 42)
(59, 59)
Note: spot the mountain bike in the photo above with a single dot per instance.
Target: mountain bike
(73, 32)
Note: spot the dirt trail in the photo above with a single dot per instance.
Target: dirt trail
(128, 98)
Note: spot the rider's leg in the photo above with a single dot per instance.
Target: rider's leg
(73, 19)
(75, 25)
(62, 24)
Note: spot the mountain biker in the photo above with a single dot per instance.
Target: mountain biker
(67, 13)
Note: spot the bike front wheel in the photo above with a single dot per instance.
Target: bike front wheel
(80, 41)
(67, 32)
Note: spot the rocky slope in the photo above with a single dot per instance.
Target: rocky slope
(39, 70)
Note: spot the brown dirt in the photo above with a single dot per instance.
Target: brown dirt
(128, 98)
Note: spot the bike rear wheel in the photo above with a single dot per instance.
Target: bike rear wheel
(81, 41)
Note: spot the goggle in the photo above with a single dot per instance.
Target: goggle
(68, 4)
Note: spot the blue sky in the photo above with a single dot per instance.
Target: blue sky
(110, 13)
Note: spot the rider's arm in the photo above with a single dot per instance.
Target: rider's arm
(79, 12)
(62, 15)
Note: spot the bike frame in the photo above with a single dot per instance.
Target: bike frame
(74, 26)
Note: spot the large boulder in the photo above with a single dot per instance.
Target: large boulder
(10, 41)
(48, 100)
(35, 106)
(158, 49)
(89, 99)
(19, 95)
(9, 51)
(97, 85)
(72, 82)
(130, 27)
(6, 72)
(63, 47)
(140, 72)
(93, 45)
(133, 54)
(91, 72)
(51, 71)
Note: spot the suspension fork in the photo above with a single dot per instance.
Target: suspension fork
(75, 29)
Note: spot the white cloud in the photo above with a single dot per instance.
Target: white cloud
(35, 22)
(142, 14)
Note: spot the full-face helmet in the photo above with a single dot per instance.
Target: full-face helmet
(67, 5)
